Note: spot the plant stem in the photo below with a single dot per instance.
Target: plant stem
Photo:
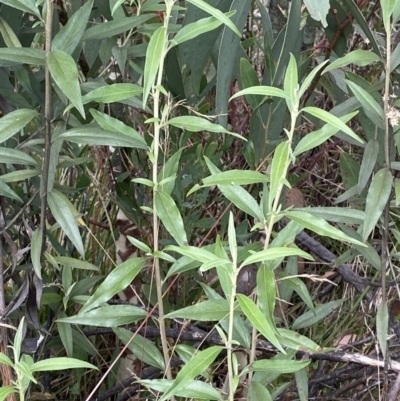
(47, 117)
(384, 255)
(156, 225)
(268, 229)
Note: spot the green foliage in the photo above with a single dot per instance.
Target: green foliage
(175, 113)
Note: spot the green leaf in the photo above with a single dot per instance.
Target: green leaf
(199, 362)
(193, 252)
(139, 244)
(22, 55)
(279, 167)
(249, 79)
(296, 341)
(382, 323)
(64, 217)
(207, 311)
(332, 120)
(19, 175)
(257, 392)
(10, 38)
(68, 38)
(297, 285)
(396, 189)
(29, 6)
(336, 214)
(93, 135)
(262, 91)
(196, 389)
(320, 226)
(359, 57)
(107, 316)
(197, 124)
(116, 281)
(368, 163)
(372, 109)
(143, 349)
(65, 332)
(170, 217)
(258, 320)
(302, 384)
(154, 56)
(113, 124)
(75, 263)
(280, 366)
(36, 251)
(291, 82)
(5, 359)
(275, 253)
(318, 10)
(235, 177)
(65, 74)
(309, 318)
(112, 93)
(216, 13)
(15, 156)
(169, 169)
(378, 195)
(197, 28)
(60, 364)
(310, 77)
(387, 7)
(316, 138)
(266, 291)
(115, 27)
(5, 190)
(5, 391)
(13, 122)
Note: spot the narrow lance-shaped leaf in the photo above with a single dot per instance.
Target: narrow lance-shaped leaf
(368, 163)
(378, 195)
(65, 74)
(382, 323)
(13, 122)
(116, 281)
(23, 55)
(316, 138)
(154, 56)
(115, 27)
(332, 120)
(66, 220)
(279, 167)
(36, 251)
(60, 364)
(171, 218)
(199, 362)
(71, 34)
(94, 135)
(258, 320)
(113, 124)
(194, 29)
(261, 90)
(373, 110)
(6, 191)
(29, 6)
(207, 311)
(9, 37)
(320, 226)
(216, 13)
(197, 124)
(291, 82)
(358, 57)
(112, 93)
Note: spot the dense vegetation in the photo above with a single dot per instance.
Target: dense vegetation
(198, 199)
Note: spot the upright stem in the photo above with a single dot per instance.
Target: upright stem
(47, 117)
(268, 229)
(384, 256)
(156, 144)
